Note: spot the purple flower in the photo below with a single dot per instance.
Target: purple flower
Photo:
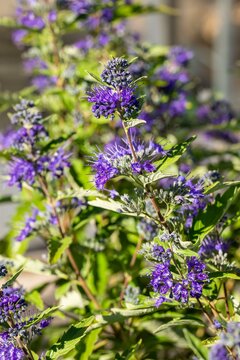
(7, 139)
(212, 245)
(34, 63)
(104, 172)
(9, 352)
(58, 162)
(178, 106)
(161, 278)
(103, 39)
(196, 276)
(84, 44)
(32, 21)
(29, 228)
(41, 82)
(80, 7)
(180, 293)
(116, 74)
(117, 160)
(172, 77)
(44, 323)
(120, 97)
(219, 352)
(217, 112)
(18, 36)
(52, 16)
(180, 56)
(107, 102)
(12, 303)
(21, 170)
(26, 114)
(138, 167)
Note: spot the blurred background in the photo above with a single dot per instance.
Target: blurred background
(209, 27)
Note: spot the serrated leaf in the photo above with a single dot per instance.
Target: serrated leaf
(196, 345)
(174, 154)
(179, 322)
(57, 247)
(69, 339)
(132, 123)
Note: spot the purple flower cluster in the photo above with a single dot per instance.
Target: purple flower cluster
(21, 170)
(216, 113)
(189, 196)
(229, 340)
(107, 102)
(9, 352)
(212, 245)
(167, 287)
(79, 7)
(118, 95)
(28, 140)
(29, 228)
(117, 160)
(30, 20)
(180, 56)
(12, 303)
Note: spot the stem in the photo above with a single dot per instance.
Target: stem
(226, 301)
(152, 199)
(134, 257)
(72, 261)
(205, 312)
(128, 136)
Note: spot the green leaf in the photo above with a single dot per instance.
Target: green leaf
(107, 205)
(129, 354)
(174, 154)
(150, 178)
(125, 11)
(196, 345)
(74, 335)
(97, 78)
(13, 278)
(210, 341)
(179, 322)
(35, 298)
(56, 142)
(86, 346)
(206, 220)
(224, 275)
(69, 339)
(132, 123)
(8, 22)
(57, 247)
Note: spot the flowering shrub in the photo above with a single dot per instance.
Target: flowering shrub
(137, 221)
